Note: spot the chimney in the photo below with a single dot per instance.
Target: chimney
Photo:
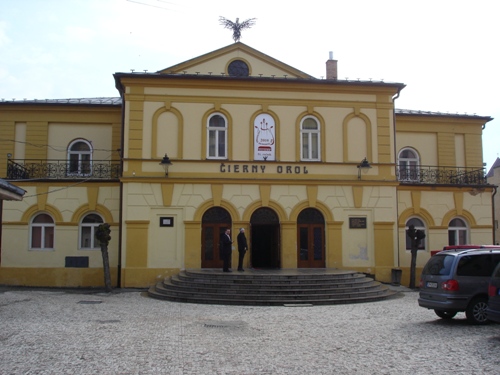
(331, 67)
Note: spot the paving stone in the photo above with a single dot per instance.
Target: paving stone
(52, 332)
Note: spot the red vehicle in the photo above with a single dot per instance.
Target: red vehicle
(462, 247)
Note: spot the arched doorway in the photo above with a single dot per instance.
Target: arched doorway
(215, 221)
(265, 239)
(311, 239)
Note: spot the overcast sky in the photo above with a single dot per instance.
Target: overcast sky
(447, 52)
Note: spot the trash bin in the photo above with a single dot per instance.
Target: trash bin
(396, 276)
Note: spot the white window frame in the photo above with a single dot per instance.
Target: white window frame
(457, 230)
(423, 243)
(93, 228)
(309, 133)
(81, 155)
(43, 232)
(409, 167)
(217, 130)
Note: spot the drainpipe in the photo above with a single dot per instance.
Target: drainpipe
(493, 209)
(1, 228)
(395, 167)
(120, 213)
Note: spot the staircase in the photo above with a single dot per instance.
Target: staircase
(270, 287)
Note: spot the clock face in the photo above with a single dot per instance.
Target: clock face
(238, 68)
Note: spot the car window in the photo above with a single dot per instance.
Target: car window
(475, 265)
(496, 273)
(496, 263)
(439, 265)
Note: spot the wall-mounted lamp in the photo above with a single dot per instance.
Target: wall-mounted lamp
(364, 165)
(9, 155)
(165, 162)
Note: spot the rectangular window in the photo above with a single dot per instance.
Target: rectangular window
(305, 146)
(36, 237)
(49, 237)
(315, 146)
(216, 144)
(310, 146)
(88, 239)
(211, 143)
(222, 144)
(73, 163)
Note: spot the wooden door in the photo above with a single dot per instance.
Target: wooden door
(214, 223)
(311, 242)
(211, 252)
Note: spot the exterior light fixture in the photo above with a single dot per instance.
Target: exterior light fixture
(364, 165)
(165, 162)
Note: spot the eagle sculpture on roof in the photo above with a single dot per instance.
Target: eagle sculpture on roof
(237, 26)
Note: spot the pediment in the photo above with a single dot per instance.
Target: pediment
(217, 63)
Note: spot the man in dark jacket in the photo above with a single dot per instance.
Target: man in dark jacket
(242, 248)
(226, 250)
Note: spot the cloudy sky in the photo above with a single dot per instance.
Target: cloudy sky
(447, 52)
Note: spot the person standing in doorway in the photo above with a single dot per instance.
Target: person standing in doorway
(242, 248)
(226, 250)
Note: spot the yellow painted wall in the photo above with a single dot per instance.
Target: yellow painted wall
(435, 209)
(60, 135)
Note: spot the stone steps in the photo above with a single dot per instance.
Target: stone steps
(270, 287)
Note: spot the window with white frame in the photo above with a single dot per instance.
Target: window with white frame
(88, 229)
(310, 139)
(419, 225)
(457, 232)
(217, 137)
(409, 162)
(80, 158)
(42, 232)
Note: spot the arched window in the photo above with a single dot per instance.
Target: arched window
(419, 225)
(80, 158)
(217, 137)
(457, 232)
(408, 162)
(42, 232)
(88, 228)
(310, 139)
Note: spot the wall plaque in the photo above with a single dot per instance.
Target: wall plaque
(166, 221)
(357, 222)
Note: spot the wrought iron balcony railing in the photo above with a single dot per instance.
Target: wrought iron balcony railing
(441, 175)
(29, 169)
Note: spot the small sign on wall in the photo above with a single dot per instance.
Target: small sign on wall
(357, 222)
(166, 221)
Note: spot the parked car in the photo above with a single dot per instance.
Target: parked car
(457, 280)
(493, 310)
(457, 247)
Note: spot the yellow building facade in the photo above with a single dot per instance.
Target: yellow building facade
(322, 173)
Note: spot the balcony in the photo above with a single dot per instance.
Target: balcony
(432, 175)
(30, 169)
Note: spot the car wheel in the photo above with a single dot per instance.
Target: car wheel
(445, 314)
(476, 311)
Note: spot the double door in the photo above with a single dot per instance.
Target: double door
(311, 240)
(211, 246)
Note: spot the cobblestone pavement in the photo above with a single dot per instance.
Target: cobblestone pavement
(62, 332)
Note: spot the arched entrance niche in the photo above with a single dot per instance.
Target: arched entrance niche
(215, 221)
(311, 239)
(265, 239)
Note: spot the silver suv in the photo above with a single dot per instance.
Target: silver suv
(457, 280)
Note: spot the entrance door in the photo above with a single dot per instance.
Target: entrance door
(265, 246)
(214, 223)
(265, 239)
(311, 239)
